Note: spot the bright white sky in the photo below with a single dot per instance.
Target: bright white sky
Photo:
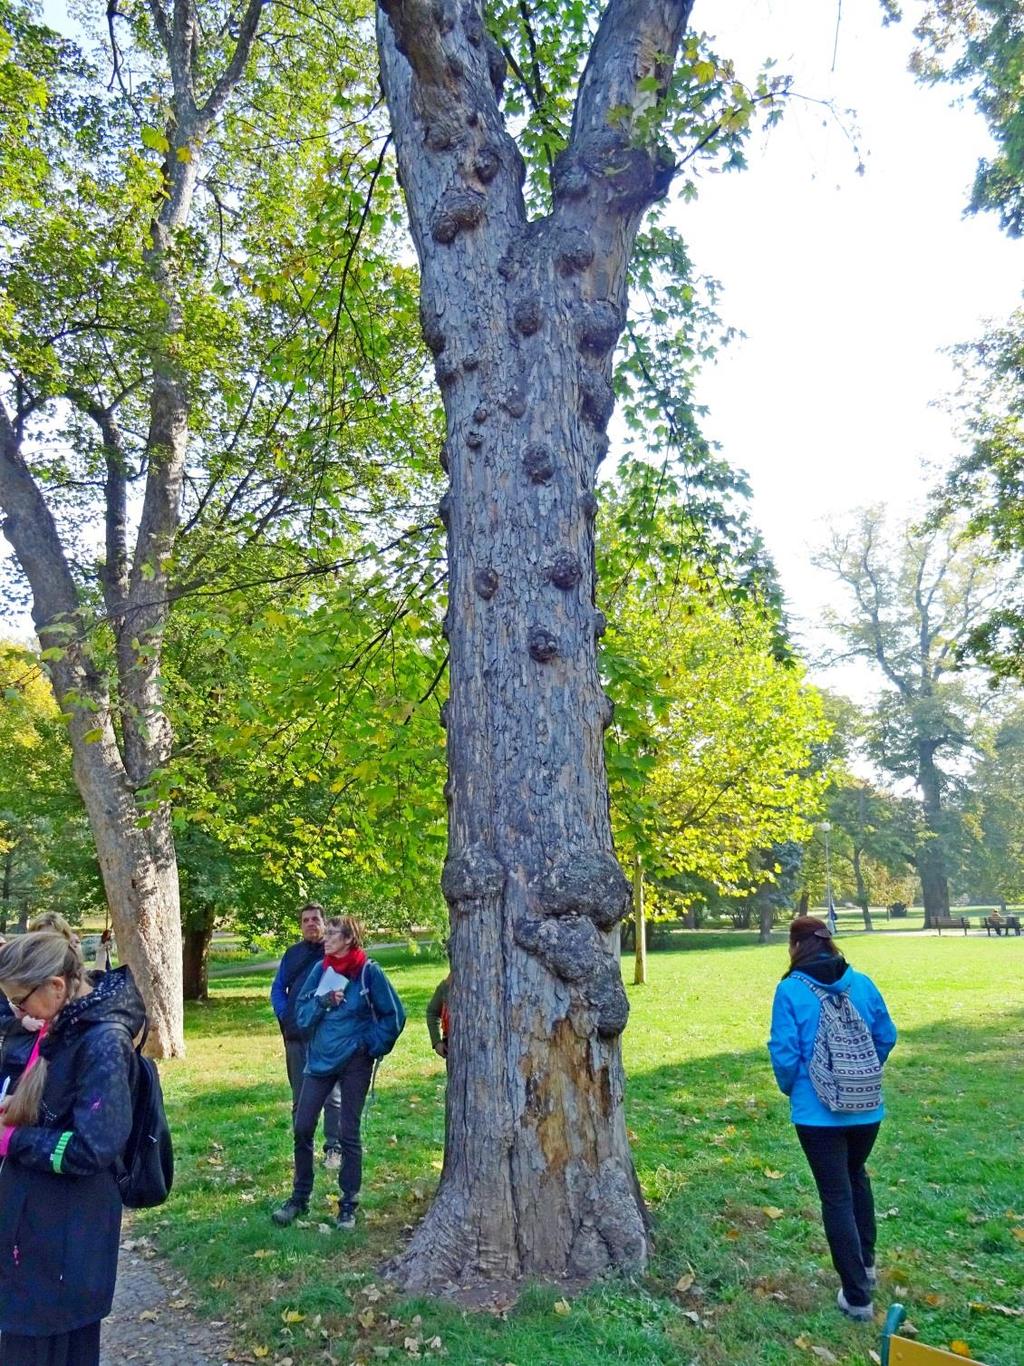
(846, 286)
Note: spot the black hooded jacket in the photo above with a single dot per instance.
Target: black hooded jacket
(60, 1211)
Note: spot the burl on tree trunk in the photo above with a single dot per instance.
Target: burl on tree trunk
(522, 318)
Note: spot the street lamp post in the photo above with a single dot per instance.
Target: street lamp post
(826, 829)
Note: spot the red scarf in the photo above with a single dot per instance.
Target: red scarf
(349, 964)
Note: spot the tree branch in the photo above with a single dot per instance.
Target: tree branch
(233, 71)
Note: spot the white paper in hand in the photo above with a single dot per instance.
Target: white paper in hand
(332, 980)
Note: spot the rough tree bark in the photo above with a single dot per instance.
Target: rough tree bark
(523, 318)
(113, 763)
(196, 937)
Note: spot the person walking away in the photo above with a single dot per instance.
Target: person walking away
(351, 1016)
(438, 1018)
(61, 1133)
(292, 971)
(836, 1141)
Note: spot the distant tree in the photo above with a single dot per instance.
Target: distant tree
(915, 597)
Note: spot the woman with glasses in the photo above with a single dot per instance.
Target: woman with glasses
(61, 1132)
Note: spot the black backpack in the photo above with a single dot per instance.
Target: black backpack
(145, 1171)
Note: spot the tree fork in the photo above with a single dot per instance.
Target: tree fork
(522, 319)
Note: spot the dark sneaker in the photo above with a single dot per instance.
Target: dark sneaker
(863, 1313)
(289, 1212)
(332, 1160)
(346, 1215)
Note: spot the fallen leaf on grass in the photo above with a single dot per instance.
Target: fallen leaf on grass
(435, 1344)
(684, 1282)
(178, 1304)
(692, 1315)
(732, 1234)
(367, 1318)
(371, 1292)
(980, 1307)
(562, 1307)
(823, 1354)
(148, 1316)
(263, 1252)
(773, 1211)
(1018, 1233)
(873, 1356)
(803, 1342)
(261, 1352)
(932, 1298)
(292, 1316)
(960, 1348)
(772, 1175)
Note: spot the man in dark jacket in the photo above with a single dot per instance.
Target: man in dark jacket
(292, 972)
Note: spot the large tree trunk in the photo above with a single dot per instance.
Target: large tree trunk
(5, 895)
(523, 319)
(196, 936)
(931, 858)
(640, 921)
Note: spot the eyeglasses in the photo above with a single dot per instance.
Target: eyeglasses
(20, 1005)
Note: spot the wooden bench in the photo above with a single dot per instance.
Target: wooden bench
(1005, 924)
(897, 1351)
(951, 922)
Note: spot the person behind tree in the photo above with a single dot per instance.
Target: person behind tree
(61, 1133)
(438, 1019)
(836, 1144)
(350, 1015)
(292, 971)
(56, 924)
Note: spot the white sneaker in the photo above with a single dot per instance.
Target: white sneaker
(863, 1313)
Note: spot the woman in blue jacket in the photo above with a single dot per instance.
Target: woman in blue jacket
(349, 1020)
(836, 1143)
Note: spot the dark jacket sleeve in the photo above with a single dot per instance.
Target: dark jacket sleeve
(310, 1008)
(101, 1117)
(388, 1014)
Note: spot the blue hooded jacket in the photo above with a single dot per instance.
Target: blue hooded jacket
(795, 1013)
(370, 1016)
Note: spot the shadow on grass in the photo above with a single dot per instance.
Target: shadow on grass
(733, 1202)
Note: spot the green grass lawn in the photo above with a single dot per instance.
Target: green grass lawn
(735, 1213)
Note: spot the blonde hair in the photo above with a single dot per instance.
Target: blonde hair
(26, 963)
(348, 924)
(54, 922)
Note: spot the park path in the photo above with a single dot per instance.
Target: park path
(153, 1322)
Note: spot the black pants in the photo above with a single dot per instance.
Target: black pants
(837, 1157)
(295, 1061)
(79, 1348)
(353, 1082)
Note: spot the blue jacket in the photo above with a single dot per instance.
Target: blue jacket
(795, 1014)
(370, 1016)
(291, 974)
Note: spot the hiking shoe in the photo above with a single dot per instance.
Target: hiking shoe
(289, 1212)
(332, 1160)
(346, 1216)
(872, 1274)
(863, 1313)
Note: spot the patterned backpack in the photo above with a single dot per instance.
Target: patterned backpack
(844, 1069)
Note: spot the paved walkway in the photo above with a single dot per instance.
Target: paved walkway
(152, 1321)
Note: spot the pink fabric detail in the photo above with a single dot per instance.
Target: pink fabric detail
(5, 1141)
(33, 1057)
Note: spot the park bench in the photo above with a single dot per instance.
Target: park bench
(1006, 924)
(897, 1351)
(952, 922)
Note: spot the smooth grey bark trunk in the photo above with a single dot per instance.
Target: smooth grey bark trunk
(640, 921)
(931, 858)
(114, 765)
(523, 318)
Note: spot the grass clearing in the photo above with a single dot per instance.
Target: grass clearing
(732, 1200)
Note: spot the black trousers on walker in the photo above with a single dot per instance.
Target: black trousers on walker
(78, 1348)
(353, 1082)
(837, 1157)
